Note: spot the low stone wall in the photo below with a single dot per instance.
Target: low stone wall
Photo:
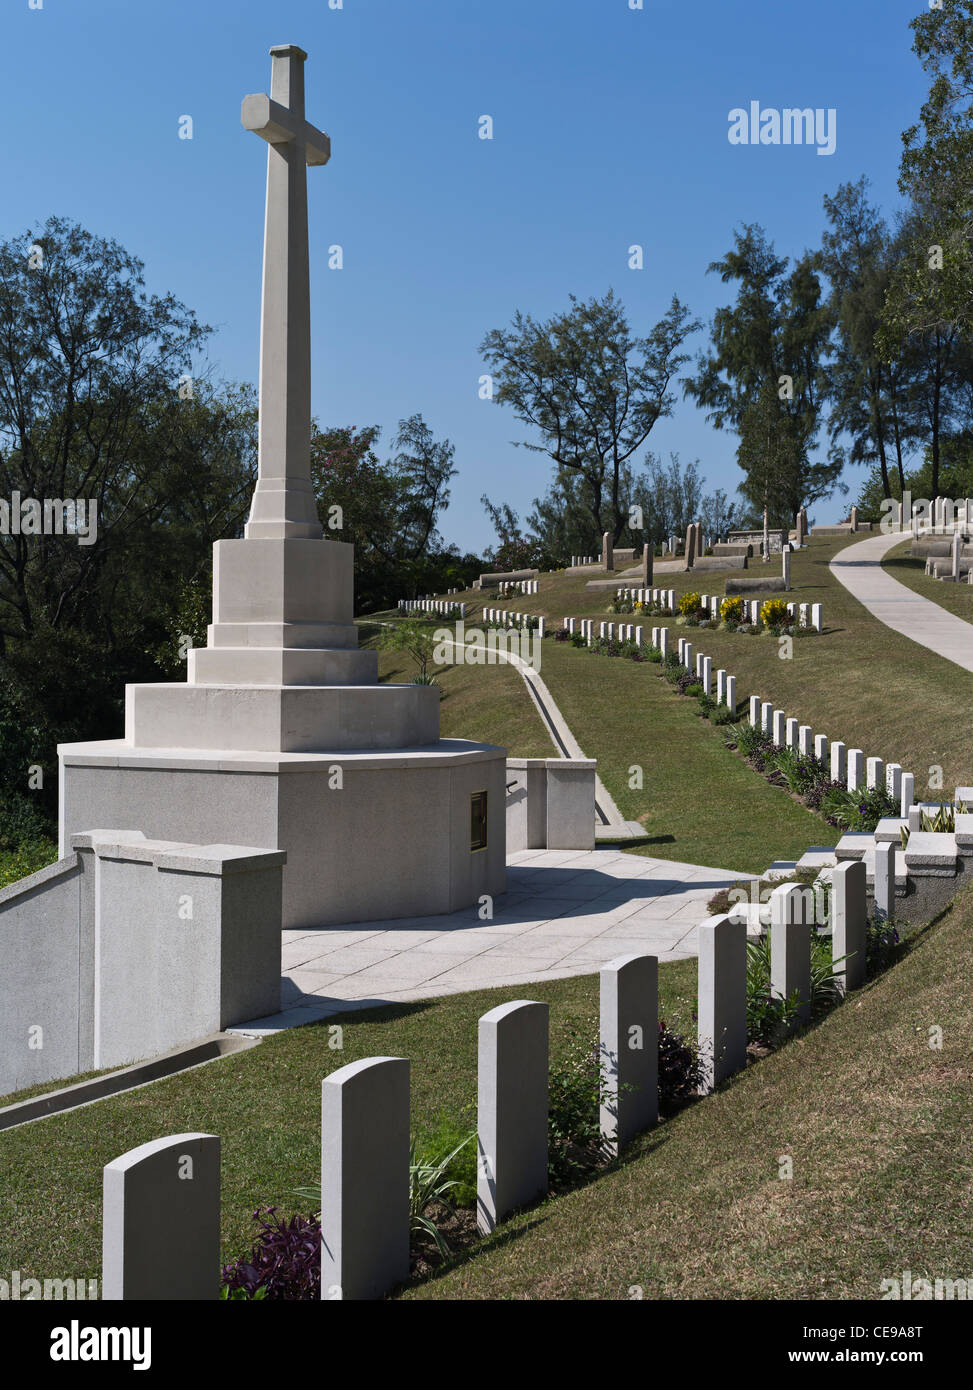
(758, 584)
(708, 563)
(550, 803)
(128, 947)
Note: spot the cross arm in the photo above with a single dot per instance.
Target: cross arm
(267, 118)
(317, 145)
(276, 124)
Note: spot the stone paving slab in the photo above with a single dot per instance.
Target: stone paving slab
(567, 912)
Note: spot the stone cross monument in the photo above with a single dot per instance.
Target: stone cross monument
(281, 736)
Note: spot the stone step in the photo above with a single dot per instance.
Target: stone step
(929, 855)
(781, 868)
(964, 832)
(818, 857)
(854, 845)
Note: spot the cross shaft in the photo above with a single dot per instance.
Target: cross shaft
(283, 502)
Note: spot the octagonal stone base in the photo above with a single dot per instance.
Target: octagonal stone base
(369, 835)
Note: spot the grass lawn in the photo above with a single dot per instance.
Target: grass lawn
(265, 1105)
(876, 1124)
(699, 802)
(875, 1121)
(955, 598)
(486, 703)
(858, 681)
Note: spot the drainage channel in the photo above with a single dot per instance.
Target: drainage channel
(25, 1112)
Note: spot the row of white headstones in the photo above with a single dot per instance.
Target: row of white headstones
(442, 607)
(849, 767)
(518, 586)
(659, 636)
(712, 603)
(161, 1231)
(505, 618)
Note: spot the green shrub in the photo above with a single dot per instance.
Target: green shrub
(881, 945)
(751, 739)
(576, 1089)
(723, 715)
(430, 1187)
(857, 811)
(770, 1018)
(26, 859)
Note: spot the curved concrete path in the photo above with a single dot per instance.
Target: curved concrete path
(859, 569)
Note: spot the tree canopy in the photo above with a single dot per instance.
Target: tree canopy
(592, 391)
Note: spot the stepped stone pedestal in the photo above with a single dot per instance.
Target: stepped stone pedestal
(282, 738)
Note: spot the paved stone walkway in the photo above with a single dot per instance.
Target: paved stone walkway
(859, 569)
(566, 912)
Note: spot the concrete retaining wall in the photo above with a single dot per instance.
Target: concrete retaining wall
(128, 947)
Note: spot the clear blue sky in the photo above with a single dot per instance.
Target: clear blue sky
(610, 129)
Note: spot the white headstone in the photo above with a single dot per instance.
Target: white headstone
(908, 793)
(790, 946)
(629, 1048)
(849, 919)
(856, 769)
(885, 879)
(365, 1178)
(161, 1221)
(511, 1109)
(722, 1000)
(893, 781)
